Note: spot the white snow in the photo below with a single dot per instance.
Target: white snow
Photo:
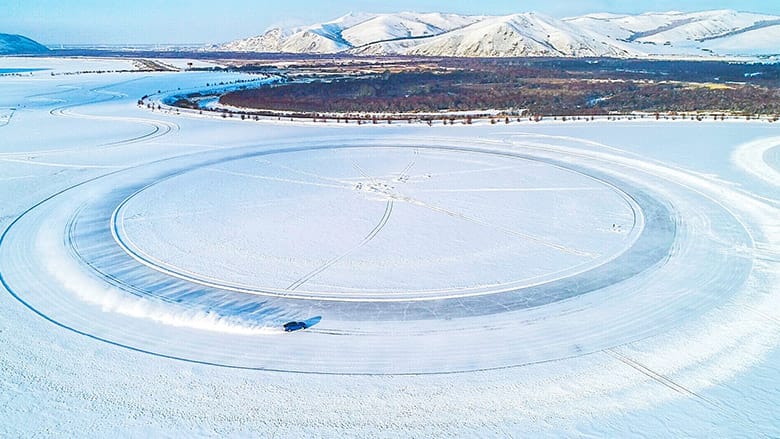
(754, 42)
(527, 34)
(407, 190)
(351, 30)
(670, 331)
(720, 33)
(404, 25)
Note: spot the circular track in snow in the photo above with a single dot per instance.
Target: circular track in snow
(653, 277)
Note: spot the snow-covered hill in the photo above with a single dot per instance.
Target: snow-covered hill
(405, 25)
(350, 31)
(685, 33)
(527, 34)
(708, 33)
(17, 44)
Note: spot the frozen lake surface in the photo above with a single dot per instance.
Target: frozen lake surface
(557, 278)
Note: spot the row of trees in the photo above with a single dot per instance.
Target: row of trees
(464, 91)
(458, 119)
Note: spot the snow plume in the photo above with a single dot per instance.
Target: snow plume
(68, 273)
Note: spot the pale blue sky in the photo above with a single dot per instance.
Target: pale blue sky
(213, 21)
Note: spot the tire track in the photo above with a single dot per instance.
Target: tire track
(7, 119)
(363, 173)
(404, 175)
(371, 235)
(275, 179)
(159, 128)
(763, 314)
(72, 243)
(660, 378)
(346, 184)
(507, 230)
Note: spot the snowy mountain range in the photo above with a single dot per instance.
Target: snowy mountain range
(663, 34)
(352, 31)
(17, 44)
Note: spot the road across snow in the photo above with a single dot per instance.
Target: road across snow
(489, 280)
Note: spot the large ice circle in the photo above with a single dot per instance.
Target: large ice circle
(121, 264)
(368, 223)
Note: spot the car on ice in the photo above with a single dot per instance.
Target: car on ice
(294, 326)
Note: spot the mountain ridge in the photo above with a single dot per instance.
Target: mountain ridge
(12, 44)
(651, 34)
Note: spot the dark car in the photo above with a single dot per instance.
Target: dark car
(294, 326)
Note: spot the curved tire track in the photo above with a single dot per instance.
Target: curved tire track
(371, 235)
(159, 128)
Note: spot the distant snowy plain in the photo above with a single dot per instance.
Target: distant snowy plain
(546, 279)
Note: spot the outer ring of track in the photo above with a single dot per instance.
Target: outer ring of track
(4, 280)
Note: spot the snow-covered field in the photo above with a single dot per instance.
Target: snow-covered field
(556, 278)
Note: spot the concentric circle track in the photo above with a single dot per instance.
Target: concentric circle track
(98, 280)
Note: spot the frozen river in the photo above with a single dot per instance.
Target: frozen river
(555, 278)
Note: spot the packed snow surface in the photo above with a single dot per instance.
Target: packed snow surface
(557, 278)
(392, 202)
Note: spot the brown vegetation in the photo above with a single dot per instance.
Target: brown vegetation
(545, 87)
